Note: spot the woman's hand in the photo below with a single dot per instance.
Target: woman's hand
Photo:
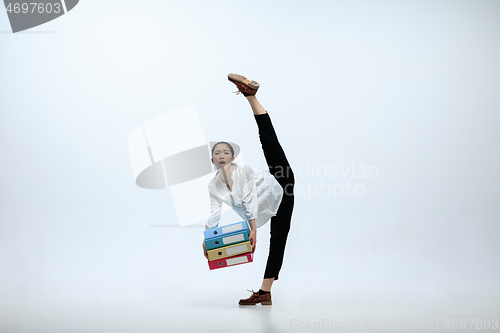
(253, 239)
(204, 249)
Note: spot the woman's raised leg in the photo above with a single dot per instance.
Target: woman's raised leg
(273, 152)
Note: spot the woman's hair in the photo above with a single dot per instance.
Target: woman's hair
(230, 147)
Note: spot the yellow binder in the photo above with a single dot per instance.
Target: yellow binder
(229, 251)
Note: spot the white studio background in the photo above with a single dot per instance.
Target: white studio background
(409, 88)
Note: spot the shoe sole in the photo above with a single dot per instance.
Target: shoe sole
(263, 303)
(243, 80)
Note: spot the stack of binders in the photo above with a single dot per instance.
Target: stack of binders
(228, 245)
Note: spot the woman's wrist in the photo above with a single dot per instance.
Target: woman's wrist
(252, 226)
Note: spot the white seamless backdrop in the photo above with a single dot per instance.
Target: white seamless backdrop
(410, 88)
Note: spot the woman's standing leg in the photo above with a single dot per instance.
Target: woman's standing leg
(281, 170)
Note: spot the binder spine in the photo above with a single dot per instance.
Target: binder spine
(229, 251)
(231, 261)
(234, 238)
(225, 230)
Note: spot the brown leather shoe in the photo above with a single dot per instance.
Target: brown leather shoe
(245, 86)
(256, 298)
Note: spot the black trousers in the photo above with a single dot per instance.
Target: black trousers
(281, 170)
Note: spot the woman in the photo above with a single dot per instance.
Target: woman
(255, 197)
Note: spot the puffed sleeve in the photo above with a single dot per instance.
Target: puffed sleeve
(249, 194)
(215, 210)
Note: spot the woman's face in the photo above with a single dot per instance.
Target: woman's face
(222, 156)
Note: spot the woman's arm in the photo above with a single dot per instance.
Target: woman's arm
(249, 195)
(253, 235)
(249, 200)
(215, 210)
(213, 220)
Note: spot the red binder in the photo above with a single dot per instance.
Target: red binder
(231, 261)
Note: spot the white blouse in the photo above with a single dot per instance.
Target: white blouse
(253, 196)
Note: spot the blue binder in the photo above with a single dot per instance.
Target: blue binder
(233, 238)
(227, 229)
